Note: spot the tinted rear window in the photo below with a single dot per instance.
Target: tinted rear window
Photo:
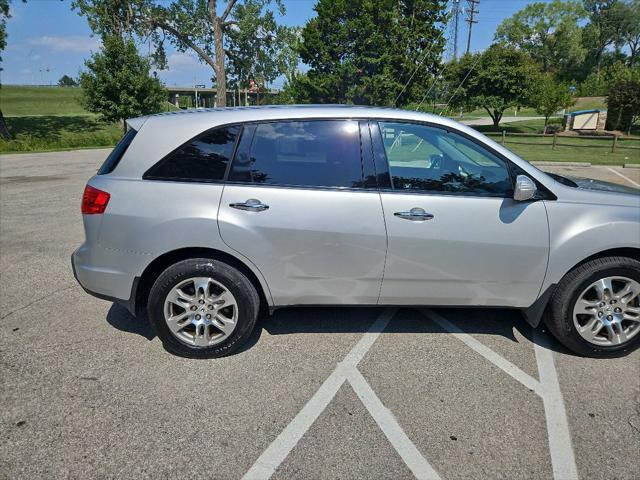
(319, 153)
(202, 159)
(116, 154)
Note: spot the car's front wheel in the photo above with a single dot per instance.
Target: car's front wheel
(595, 310)
(203, 308)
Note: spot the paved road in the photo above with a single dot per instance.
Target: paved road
(86, 391)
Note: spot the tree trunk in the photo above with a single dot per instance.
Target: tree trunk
(619, 119)
(4, 131)
(221, 78)
(599, 53)
(496, 117)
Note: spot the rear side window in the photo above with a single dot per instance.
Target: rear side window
(116, 154)
(318, 153)
(202, 159)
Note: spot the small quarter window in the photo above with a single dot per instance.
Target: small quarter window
(318, 153)
(118, 151)
(202, 159)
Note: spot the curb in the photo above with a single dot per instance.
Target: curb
(632, 165)
(562, 164)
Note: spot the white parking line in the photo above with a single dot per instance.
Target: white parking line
(346, 371)
(390, 427)
(486, 352)
(560, 448)
(635, 184)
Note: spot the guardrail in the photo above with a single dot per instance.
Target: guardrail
(613, 142)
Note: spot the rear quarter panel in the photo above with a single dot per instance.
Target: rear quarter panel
(146, 219)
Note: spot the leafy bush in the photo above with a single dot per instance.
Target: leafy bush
(624, 105)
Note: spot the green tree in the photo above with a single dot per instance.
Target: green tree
(258, 48)
(117, 84)
(366, 51)
(549, 32)
(623, 104)
(548, 97)
(604, 29)
(196, 25)
(630, 28)
(598, 84)
(496, 79)
(67, 81)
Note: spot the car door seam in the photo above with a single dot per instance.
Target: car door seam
(386, 250)
(546, 270)
(246, 259)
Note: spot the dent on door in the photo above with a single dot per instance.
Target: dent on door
(313, 246)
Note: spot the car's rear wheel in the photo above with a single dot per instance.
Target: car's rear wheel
(595, 310)
(203, 308)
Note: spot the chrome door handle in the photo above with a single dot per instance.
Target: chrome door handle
(251, 205)
(415, 214)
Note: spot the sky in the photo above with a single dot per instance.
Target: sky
(46, 40)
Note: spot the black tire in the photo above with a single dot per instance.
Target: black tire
(236, 282)
(559, 313)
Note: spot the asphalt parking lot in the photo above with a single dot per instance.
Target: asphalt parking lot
(88, 392)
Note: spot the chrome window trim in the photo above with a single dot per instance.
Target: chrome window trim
(356, 118)
(256, 123)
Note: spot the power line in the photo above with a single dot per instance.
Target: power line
(424, 57)
(433, 84)
(472, 11)
(461, 83)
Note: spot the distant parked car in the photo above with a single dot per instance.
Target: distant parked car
(201, 219)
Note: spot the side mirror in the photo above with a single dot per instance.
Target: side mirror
(525, 189)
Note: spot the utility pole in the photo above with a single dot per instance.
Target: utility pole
(472, 12)
(456, 18)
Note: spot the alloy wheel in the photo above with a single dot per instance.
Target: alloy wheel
(200, 312)
(607, 312)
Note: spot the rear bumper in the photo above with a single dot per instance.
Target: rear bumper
(104, 283)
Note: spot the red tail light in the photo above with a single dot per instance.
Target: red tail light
(94, 201)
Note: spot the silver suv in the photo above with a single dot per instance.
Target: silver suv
(200, 220)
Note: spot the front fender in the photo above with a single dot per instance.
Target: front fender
(578, 231)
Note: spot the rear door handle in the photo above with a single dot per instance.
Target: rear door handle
(251, 205)
(416, 214)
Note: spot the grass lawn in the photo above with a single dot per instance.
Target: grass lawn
(526, 126)
(20, 100)
(597, 152)
(582, 103)
(52, 118)
(408, 150)
(568, 149)
(50, 132)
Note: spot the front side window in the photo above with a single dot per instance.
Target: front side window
(202, 159)
(318, 153)
(431, 159)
